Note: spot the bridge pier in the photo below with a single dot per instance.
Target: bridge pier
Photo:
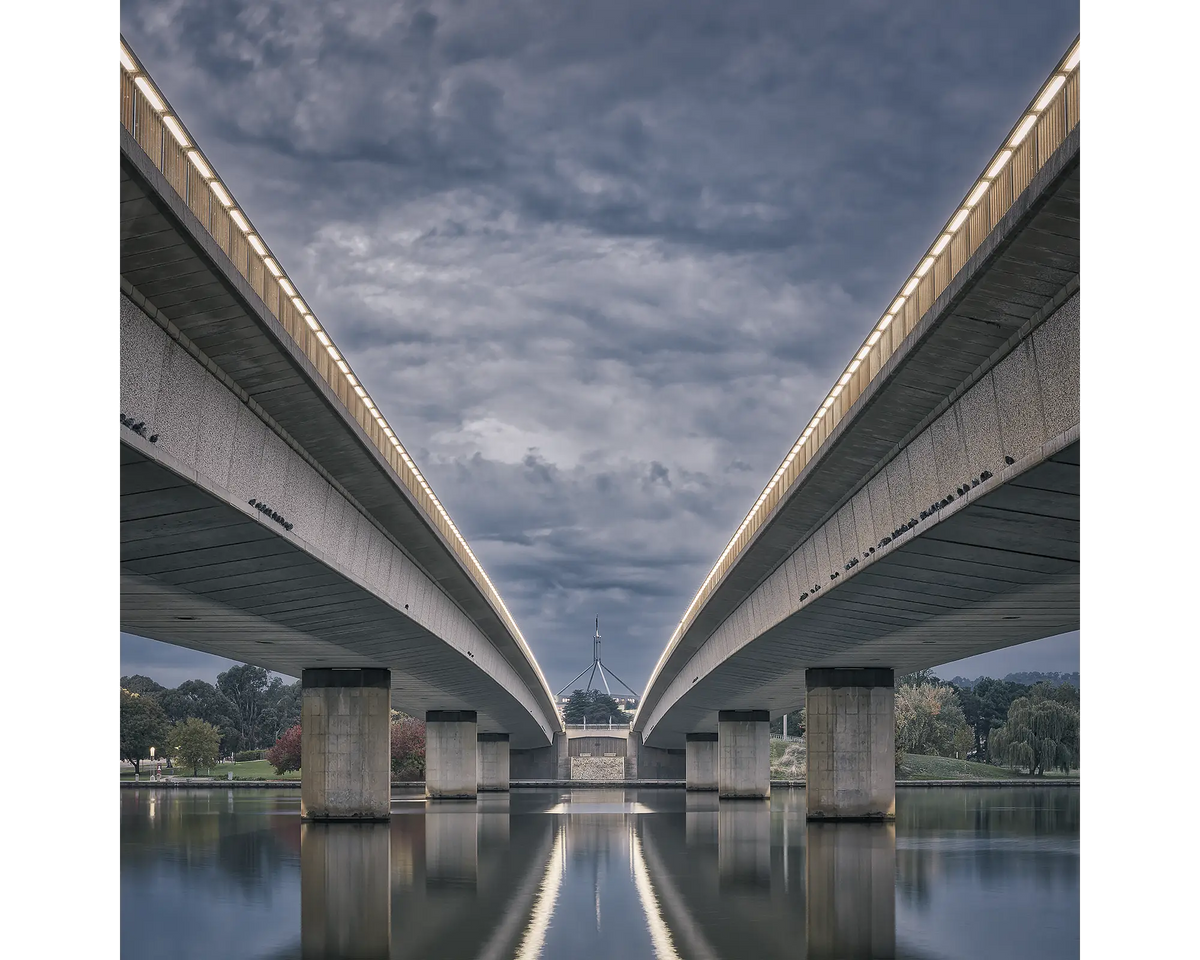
(451, 755)
(345, 743)
(700, 762)
(744, 754)
(493, 761)
(851, 744)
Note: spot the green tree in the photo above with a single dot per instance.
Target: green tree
(930, 721)
(200, 699)
(246, 687)
(1041, 733)
(986, 707)
(143, 725)
(592, 706)
(196, 743)
(282, 710)
(139, 684)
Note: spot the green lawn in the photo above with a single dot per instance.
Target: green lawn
(248, 770)
(917, 767)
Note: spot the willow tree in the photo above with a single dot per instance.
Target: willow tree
(1040, 734)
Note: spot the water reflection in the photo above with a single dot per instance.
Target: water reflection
(634, 873)
(744, 845)
(851, 901)
(345, 890)
(451, 846)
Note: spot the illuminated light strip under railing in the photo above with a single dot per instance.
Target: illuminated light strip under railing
(1049, 91)
(179, 132)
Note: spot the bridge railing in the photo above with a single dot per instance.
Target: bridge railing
(621, 725)
(1039, 131)
(156, 127)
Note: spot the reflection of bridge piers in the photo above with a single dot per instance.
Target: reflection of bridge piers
(850, 902)
(345, 890)
(451, 845)
(744, 844)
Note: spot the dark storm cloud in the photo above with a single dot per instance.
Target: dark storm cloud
(598, 262)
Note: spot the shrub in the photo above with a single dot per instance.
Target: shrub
(408, 748)
(285, 755)
(243, 755)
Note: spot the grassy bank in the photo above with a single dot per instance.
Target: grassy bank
(247, 770)
(917, 767)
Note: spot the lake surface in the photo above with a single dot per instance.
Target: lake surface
(979, 873)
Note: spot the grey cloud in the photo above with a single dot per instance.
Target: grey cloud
(598, 262)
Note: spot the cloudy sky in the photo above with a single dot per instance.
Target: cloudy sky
(598, 262)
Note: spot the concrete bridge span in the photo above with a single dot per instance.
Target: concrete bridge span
(929, 509)
(271, 514)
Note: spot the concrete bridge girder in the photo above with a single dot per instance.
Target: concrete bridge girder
(1014, 562)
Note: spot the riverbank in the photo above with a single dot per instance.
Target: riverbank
(214, 784)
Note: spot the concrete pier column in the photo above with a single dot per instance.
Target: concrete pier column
(451, 751)
(744, 754)
(700, 761)
(345, 744)
(345, 890)
(493, 761)
(851, 744)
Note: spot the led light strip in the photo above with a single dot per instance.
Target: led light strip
(978, 191)
(179, 132)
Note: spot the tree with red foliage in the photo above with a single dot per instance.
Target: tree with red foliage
(285, 755)
(408, 748)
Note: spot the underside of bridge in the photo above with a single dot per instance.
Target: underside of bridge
(270, 515)
(936, 518)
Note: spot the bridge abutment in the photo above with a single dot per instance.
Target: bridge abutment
(700, 762)
(451, 755)
(851, 744)
(493, 761)
(345, 744)
(744, 754)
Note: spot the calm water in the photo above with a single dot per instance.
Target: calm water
(979, 873)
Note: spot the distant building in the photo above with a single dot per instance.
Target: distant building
(626, 703)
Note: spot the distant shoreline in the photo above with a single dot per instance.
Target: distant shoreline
(214, 784)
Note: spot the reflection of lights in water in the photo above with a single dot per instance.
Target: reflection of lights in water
(543, 907)
(152, 808)
(597, 903)
(660, 936)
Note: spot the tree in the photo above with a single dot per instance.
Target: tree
(139, 684)
(1040, 734)
(929, 720)
(196, 743)
(985, 706)
(143, 725)
(246, 687)
(408, 747)
(592, 706)
(200, 699)
(282, 710)
(285, 755)
(918, 678)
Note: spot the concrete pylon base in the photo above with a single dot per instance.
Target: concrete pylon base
(744, 754)
(451, 755)
(493, 762)
(345, 744)
(700, 761)
(851, 744)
